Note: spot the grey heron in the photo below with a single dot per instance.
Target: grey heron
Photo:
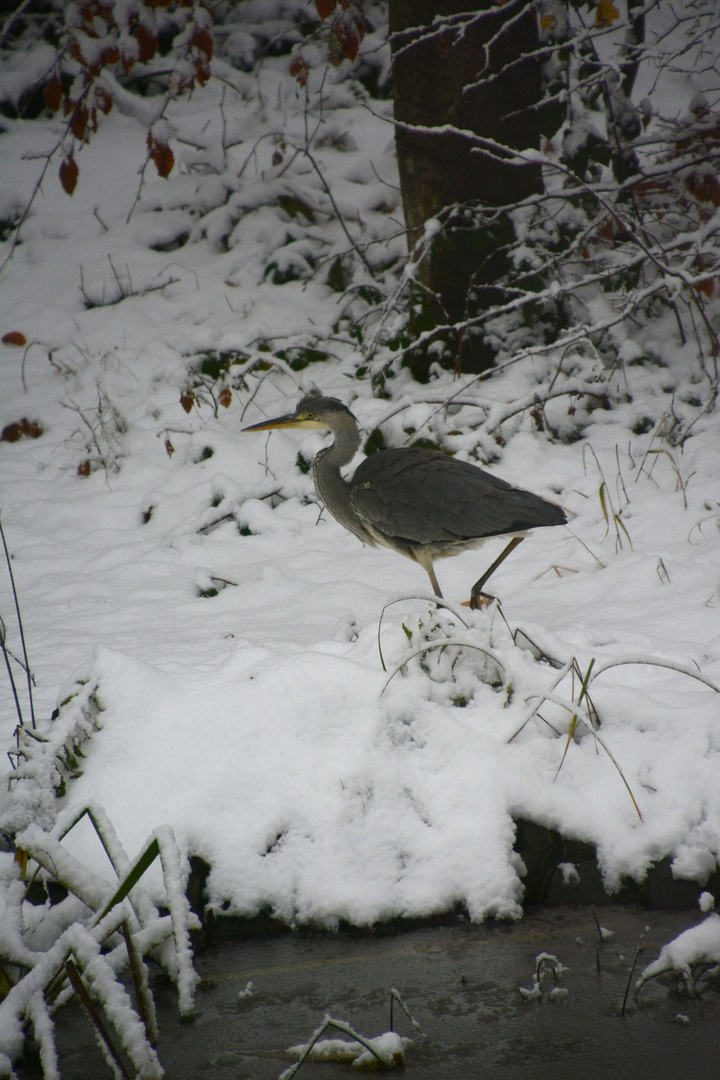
(420, 503)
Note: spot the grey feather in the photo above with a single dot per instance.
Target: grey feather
(425, 497)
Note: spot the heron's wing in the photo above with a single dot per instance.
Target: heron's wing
(424, 496)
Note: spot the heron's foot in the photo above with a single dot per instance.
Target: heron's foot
(479, 599)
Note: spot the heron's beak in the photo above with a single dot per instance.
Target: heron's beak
(278, 422)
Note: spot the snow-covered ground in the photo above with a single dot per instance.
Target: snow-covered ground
(258, 722)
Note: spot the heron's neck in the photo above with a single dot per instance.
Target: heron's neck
(343, 449)
(331, 487)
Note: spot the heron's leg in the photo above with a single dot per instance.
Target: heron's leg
(477, 589)
(434, 581)
(423, 556)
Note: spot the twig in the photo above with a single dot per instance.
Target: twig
(339, 1025)
(6, 657)
(641, 946)
(328, 192)
(28, 673)
(395, 996)
(8, 24)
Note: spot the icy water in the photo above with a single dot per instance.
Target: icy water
(461, 983)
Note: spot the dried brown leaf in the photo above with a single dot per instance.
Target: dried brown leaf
(68, 173)
(53, 94)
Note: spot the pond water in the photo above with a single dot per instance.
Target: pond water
(461, 982)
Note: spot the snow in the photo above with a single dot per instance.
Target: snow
(700, 945)
(546, 965)
(388, 1048)
(258, 723)
(386, 1051)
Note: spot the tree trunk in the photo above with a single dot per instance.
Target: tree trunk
(478, 80)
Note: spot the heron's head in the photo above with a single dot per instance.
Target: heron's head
(312, 411)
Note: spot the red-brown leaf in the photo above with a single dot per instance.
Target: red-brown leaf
(103, 99)
(706, 287)
(325, 7)
(169, 448)
(225, 396)
(349, 32)
(348, 41)
(299, 70)
(53, 94)
(163, 157)
(11, 433)
(14, 337)
(110, 55)
(78, 124)
(147, 43)
(202, 40)
(68, 173)
(31, 428)
(202, 71)
(83, 468)
(187, 400)
(704, 186)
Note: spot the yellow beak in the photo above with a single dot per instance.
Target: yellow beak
(278, 422)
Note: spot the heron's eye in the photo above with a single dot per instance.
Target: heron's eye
(306, 416)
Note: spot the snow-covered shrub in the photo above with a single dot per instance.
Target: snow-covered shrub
(82, 943)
